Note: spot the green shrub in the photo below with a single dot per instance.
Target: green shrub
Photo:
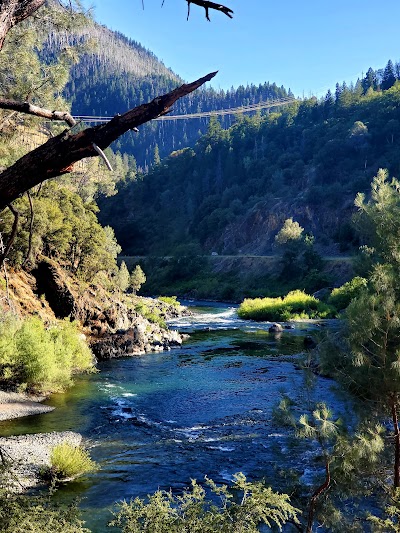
(171, 300)
(152, 315)
(38, 359)
(342, 296)
(243, 508)
(37, 514)
(296, 305)
(68, 461)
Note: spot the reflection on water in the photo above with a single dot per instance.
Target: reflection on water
(158, 420)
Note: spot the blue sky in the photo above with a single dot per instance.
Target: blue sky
(307, 46)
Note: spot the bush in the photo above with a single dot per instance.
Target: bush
(68, 461)
(342, 296)
(243, 507)
(38, 359)
(20, 514)
(296, 305)
(152, 315)
(170, 300)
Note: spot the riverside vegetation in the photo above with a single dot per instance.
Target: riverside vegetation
(58, 228)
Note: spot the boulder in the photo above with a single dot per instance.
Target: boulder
(275, 328)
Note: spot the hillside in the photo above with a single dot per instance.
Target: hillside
(232, 192)
(118, 73)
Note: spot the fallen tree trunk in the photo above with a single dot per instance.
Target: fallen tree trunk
(58, 155)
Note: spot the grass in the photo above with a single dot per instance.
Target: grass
(68, 461)
(296, 305)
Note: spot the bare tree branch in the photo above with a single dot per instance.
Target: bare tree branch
(58, 155)
(13, 234)
(210, 5)
(30, 109)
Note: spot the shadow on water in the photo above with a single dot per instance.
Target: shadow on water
(158, 420)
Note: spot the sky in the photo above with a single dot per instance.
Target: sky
(305, 46)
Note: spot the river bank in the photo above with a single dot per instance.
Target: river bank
(18, 404)
(25, 456)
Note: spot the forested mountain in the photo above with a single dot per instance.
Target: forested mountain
(118, 73)
(234, 189)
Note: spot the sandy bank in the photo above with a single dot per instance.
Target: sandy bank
(16, 405)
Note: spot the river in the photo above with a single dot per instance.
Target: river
(158, 420)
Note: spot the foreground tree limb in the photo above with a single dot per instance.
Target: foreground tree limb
(58, 155)
(29, 109)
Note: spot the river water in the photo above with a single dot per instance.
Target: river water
(158, 420)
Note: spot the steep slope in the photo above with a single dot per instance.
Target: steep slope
(234, 190)
(119, 74)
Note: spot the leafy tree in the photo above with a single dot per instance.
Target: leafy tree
(58, 155)
(370, 81)
(137, 278)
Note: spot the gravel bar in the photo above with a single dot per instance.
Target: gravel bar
(26, 455)
(16, 405)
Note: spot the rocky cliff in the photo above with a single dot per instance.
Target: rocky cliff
(114, 324)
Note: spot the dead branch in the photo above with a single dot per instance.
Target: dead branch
(58, 155)
(28, 253)
(30, 109)
(7, 247)
(210, 5)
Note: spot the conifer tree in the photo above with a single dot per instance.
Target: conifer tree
(389, 76)
(137, 278)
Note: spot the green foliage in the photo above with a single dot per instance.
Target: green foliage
(341, 297)
(64, 228)
(32, 78)
(243, 508)
(22, 514)
(122, 278)
(290, 231)
(137, 279)
(296, 305)
(378, 219)
(171, 300)
(350, 463)
(38, 359)
(391, 519)
(152, 315)
(68, 461)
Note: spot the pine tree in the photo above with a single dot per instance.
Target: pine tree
(137, 278)
(370, 81)
(122, 277)
(389, 77)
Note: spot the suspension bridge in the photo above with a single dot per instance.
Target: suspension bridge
(267, 104)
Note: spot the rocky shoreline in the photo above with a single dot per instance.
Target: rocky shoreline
(26, 455)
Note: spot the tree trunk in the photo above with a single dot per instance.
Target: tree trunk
(396, 477)
(317, 493)
(58, 155)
